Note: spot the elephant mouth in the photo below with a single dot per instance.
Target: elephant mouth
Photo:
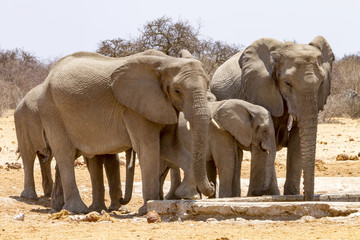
(263, 148)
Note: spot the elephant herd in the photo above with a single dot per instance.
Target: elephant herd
(167, 111)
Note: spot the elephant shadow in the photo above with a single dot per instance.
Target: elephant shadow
(42, 201)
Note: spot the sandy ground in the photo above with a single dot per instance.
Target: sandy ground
(340, 137)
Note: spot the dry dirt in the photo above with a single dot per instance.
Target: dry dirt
(341, 137)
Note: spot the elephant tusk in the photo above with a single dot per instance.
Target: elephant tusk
(267, 151)
(188, 125)
(290, 122)
(215, 123)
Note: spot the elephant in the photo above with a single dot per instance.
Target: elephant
(32, 142)
(238, 126)
(290, 80)
(93, 105)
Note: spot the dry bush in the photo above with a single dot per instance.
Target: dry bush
(344, 100)
(20, 71)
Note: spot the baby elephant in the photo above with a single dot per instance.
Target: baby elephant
(238, 126)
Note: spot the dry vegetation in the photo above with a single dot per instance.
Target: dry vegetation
(20, 71)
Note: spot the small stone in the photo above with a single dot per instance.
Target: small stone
(19, 217)
(211, 220)
(354, 158)
(153, 217)
(342, 157)
(351, 140)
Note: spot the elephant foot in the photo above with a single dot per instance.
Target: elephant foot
(76, 207)
(29, 194)
(114, 206)
(291, 189)
(97, 207)
(57, 203)
(171, 196)
(47, 190)
(184, 192)
(273, 191)
(142, 210)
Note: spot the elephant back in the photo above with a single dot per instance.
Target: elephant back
(226, 82)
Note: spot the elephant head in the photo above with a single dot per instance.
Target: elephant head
(163, 86)
(294, 79)
(251, 125)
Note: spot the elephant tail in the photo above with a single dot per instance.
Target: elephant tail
(130, 170)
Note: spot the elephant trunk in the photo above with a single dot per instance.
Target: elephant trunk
(262, 170)
(130, 169)
(199, 121)
(269, 167)
(307, 133)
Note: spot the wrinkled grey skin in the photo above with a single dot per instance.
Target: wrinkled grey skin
(138, 96)
(287, 79)
(32, 142)
(243, 126)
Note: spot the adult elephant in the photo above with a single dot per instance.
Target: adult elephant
(32, 142)
(92, 105)
(292, 81)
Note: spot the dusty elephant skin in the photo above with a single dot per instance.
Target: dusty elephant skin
(32, 142)
(239, 126)
(290, 80)
(92, 105)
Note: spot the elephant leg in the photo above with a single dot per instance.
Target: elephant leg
(47, 182)
(226, 173)
(164, 170)
(112, 168)
(95, 167)
(211, 173)
(293, 164)
(29, 183)
(65, 161)
(175, 178)
(274, 188)
(236, 186)
(57, 194)
(145, 139)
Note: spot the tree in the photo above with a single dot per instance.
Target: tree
(171, 37)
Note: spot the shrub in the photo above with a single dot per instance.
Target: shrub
(20, 71)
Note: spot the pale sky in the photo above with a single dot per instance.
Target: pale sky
(50, 29)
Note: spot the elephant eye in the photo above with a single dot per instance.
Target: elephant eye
(177, 90)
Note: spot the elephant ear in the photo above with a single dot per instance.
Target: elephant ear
(258, 75)
(185, 54)
(236, 120)
(138, 86)
(327, 59)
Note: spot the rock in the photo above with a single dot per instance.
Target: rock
(19, 217)
(92, 217)
(79, 162)
(153, 217)
(342, 157)
(351, 140)
(12, 166)
(354, 158)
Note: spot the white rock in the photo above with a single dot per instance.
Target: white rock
(19, 217)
